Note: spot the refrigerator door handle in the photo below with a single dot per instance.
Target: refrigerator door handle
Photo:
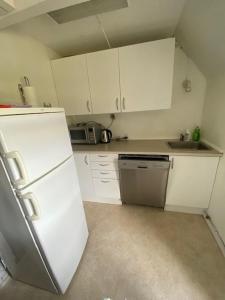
(33, 204)
(23, 180)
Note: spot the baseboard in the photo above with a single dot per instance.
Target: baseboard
(4, 277)
(104, 200)
(215, 233)
(184, 209)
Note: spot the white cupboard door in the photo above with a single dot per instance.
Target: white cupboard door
(32, 145)
(107, 188)
(146, 75)
(103, 71)
(71, 81)
(84, 175)
(54, 209)
(191, 180)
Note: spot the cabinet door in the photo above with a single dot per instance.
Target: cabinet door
(84, 176)
(71, 81)
(107, 188)
(103, 71)
(146, 75)
(191, 181)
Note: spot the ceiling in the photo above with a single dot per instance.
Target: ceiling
(201, 32)
(143, 20)
(198, 26)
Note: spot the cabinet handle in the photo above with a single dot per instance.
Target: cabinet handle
(124, 103)
(172, 163)
(117, 104)
(105, 181)
(85, 160)
(103, 165)
(104, 173)
(88, 106)
(102, 155)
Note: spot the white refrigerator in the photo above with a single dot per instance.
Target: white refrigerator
(43, 230)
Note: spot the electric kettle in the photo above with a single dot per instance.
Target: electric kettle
(106, 136)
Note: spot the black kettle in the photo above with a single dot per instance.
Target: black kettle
(106, 136)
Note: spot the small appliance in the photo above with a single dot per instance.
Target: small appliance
(89, 133)
(106, 136)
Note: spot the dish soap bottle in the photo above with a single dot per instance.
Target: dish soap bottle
(196, 134)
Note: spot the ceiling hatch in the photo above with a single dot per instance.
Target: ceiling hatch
(86, 9)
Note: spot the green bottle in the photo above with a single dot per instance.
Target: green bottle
(196, 134)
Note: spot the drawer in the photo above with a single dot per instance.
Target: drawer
(103, 157)
(105, 165)
(105, 174)
(107, 188)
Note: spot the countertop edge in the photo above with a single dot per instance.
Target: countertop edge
(152, 153)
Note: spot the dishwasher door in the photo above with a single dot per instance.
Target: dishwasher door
(143, 179)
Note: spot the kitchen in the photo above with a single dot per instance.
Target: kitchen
(153, 190)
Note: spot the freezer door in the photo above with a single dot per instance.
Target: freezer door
(54, 210)
(17, 245)
(32, 145)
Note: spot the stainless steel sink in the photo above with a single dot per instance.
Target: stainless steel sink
(188, 145)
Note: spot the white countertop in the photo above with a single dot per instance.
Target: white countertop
(159, 147)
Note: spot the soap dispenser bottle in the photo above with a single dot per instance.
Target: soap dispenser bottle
(196, 135)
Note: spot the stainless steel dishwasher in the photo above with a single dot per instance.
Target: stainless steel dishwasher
(143, 179)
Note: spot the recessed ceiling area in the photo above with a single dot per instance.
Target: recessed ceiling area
(86, 9)
(141, 21)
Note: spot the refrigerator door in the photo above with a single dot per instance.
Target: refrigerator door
(54, 210)
(17, 245)
(32, 145)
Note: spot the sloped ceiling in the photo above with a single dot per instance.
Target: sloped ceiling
(143, 20)
(201, 32)
(198, 25)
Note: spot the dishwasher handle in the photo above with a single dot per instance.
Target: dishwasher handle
(143, 165)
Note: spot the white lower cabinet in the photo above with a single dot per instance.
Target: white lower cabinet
(189, 188)
(85, 176)
(190, 183)
(107, 188)
(98, 177)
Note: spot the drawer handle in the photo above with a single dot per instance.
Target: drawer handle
(104, 173)
(105, 181)
(103, 165)
(102, 155)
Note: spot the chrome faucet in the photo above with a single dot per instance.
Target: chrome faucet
(181, 137)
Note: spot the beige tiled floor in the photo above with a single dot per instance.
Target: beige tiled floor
(141, 253)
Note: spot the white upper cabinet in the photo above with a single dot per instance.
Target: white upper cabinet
(103, 71)
(71, 80)
(146, 75)
(132, 78)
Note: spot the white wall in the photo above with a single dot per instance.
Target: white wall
(186, 109)
(214, 131)
(20, 56)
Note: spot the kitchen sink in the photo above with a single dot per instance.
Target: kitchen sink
(188, 145)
